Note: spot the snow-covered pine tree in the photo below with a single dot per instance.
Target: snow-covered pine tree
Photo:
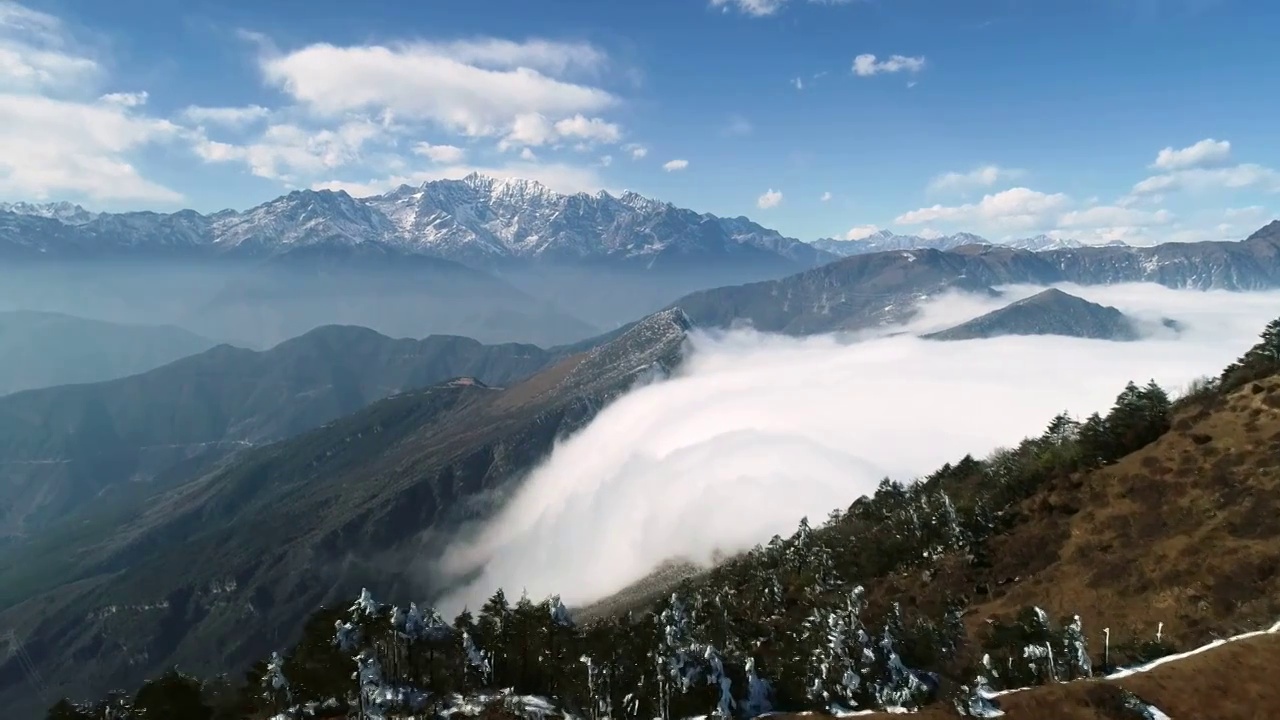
(759, 693)
(1075, 651)
(717, 678)
(275, 686)
(678, 656)
(975, 700)
(895, 685)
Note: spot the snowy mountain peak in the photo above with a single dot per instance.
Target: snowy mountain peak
(65, 212)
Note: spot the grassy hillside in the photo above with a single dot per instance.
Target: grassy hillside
(999, 572)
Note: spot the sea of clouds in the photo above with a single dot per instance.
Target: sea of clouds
(756, 431)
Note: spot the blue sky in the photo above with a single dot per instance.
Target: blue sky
(1139, 120)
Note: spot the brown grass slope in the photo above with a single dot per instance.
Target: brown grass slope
(1185, 531)
(1232, 682)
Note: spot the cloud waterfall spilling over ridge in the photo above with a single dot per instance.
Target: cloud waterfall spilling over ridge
(756, 431)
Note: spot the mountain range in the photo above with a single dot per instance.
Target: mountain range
(613, 259)
(883, 240)
(882, 288)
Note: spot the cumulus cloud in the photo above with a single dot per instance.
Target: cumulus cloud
(980, 177)
(50, 146)
(1206, 153)
(861, 232)
(440, 153)
(60, 135)
(475, 87)
(825, 196)
(770, 199)
(756, 431)
(637, 151)
(674, 165)
(287, 152)
(1015, 208)
(866, 64)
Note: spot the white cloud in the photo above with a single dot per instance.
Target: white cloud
(1206, 153)
(770, 199)
(637, 151)
(743, 428)
(980, 177)
(125, 99)
(674, 165)
(35, 54)
(528, 155)
(1100, 216)
(450, 154)
(606, 160)
(1015, 208)
(592, 129)
(1203, 179)
(755, 8)
(866, 65)
(288, 152)
(536, 129)
(929, 234)
(797, 83)
(559, 177)
(233, 117)
(825, 196)
(764, 8)
(58, 134)
(477, 87)
(49, 147)
(861, 232)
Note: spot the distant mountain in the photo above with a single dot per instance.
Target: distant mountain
(40, 349)
(1052, 312)
(64, 447)
(477, 220)
(612, 258)
(869, 290)
(301, 522)
(65, 212)
(885, 240)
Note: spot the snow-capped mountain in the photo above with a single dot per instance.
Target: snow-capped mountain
(476, 220)
(64, 212)
(303, 218)
(885, 240)
(480, 219)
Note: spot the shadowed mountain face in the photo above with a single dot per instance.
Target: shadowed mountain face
(64, 447)
(864, 291)
(46, 349)
(1052, 312)
(364, 500)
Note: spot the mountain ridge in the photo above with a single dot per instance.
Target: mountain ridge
(1049, 312)
(476, 220)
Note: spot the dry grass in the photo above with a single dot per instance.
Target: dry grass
(1231, 682)
(1185, 531)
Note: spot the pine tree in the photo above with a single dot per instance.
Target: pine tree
(1075, 651)
(173, 695)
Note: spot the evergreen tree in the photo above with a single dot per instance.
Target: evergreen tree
(173, 696)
